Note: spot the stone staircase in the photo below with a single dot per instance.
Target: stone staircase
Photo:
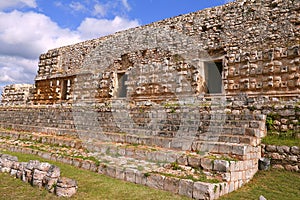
(217, 155)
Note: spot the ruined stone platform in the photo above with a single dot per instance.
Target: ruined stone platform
(214, 165)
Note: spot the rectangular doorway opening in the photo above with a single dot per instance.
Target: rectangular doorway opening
(64, 89)
(122, 87)
(213, 76)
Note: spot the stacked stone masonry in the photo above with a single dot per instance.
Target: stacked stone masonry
(231, 174)
(38, 174)
(283, 157)
(18, 94)
(193, 140)
(192, 90)
(256, 42)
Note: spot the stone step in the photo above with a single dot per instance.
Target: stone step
(237, 139)
(51, 139)
(233, 150)
(147, 153)
(178, 143)
(141, 172)
(64, 130)
(130, 163)
(153, 148)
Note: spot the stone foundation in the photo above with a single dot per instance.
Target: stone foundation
(201, 141)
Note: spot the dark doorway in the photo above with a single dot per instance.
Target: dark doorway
(122, 87)
(213, 76)
(64, 89)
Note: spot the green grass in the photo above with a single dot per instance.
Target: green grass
(11, 188)
(273, 185)
(91, 186)
(281, 140)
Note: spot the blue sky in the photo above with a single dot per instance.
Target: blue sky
(31, 27)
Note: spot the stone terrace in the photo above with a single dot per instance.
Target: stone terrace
(218, 154)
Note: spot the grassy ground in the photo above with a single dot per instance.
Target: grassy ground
(281, 140)
(91, 186)
(271, 184)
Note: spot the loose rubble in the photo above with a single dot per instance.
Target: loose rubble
(39, 174)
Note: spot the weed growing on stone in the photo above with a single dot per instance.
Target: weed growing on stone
(140, 168)
(226, 158)
(175, 166)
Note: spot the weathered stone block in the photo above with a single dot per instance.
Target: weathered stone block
(221, 165)
(102, 169)
(110, 171)
(120, 173)
(76, 162)
(66, 187)
(277, 156)
(38, 177)
(32, 164)
(53, 172)
(155, 181)
(207, 164)
(171, 184)
(295, 150)
(13, 172)
(293, 158)
(140, 178)
(186, 187)
(202, 190)
(194, 161)
(283, 149)
(130, 175)
(182, 160)
(86, 164)
(293, 168)
(277, 166)
(44, 166)
(239, 150)
(49, 183)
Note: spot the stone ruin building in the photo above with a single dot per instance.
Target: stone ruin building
(254, 45)
(163, 85)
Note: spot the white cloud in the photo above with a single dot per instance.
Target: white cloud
(93, 28)
(77, 6)
(24, 36)
(99, 10)
(4, 4)
(126, 5)
(58, 4)
(17, 70)
(28, 34)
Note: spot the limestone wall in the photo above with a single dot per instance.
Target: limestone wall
(283, 157)
(257, 43)
(283, 117)
(152, 119)
(168, 126)
(38, 119)
(17, 94)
